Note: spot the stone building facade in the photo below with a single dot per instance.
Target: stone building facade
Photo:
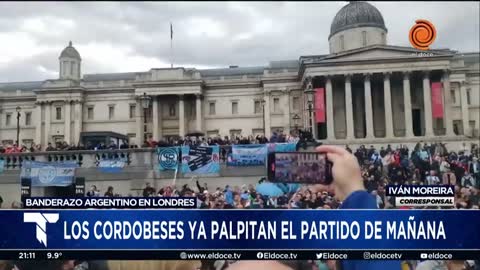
(373, 92)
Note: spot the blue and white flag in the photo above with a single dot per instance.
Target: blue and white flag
(46, 174)
(288, 188)
(2, 165)
(282, 147)
(201, 160)
(167, 158)
(112, 165)
(248, 155)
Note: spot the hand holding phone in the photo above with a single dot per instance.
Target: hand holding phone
(299, 167)
(345, 171)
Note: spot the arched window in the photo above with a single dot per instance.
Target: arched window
(364, 38)
(65, 66)
(384, 40)
(72, 66)
(172, 110)
(342, 43)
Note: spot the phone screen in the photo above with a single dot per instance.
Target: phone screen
(299, 167)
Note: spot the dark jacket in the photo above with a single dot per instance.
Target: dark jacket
(363, 200)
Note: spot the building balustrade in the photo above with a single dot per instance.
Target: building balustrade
(84, 158)
(140, 164)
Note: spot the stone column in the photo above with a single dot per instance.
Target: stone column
(199, 113)
(305, 111)
(370, 134)
(407, 101)
(329, 97)
(286, 115)
(427, 101)
(266, 115)
(160, 119)
(313, 122)
(139, 121)
(464, 101)
(181, 116)
(68, 122)
(155, 118)
(78, 124)
(38, 119)
(447, 104)
(48, 116)
(387, 95)
(349, 106)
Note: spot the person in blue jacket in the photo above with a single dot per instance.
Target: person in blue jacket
(348, 185)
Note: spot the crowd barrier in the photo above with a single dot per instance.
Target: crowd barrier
(93, 158)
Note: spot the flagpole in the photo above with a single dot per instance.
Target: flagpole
(175, 177)
(171, 45)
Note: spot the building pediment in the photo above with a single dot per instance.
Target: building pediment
(377, 52)
(164, 87)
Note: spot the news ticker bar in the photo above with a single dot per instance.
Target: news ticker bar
(239, 254)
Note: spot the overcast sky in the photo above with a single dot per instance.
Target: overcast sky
(130, 36)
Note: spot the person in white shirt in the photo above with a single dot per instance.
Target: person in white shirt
(474, 169)
(93, 192)
(467, 180)
(432, 179)
(444, 166)
(378, 199)
(475, 165)
(429, 265)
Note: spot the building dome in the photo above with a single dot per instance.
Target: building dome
(70, 52)
(357, 14)
(70, 63)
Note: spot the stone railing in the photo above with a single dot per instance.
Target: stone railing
(139, 157)
(84, 158)
(140, 164)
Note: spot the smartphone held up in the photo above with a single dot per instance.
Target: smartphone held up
(299, 167)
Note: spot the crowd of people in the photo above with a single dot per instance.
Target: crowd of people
(301, 137)
(61, 146)
(425, 164)
(301, 168)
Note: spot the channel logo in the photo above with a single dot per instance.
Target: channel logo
(41, 220)
(422, 34)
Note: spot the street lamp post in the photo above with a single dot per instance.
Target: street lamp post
(263, 117)
(145, 101)
(18, 109)
(309, 92)
(295, 122)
